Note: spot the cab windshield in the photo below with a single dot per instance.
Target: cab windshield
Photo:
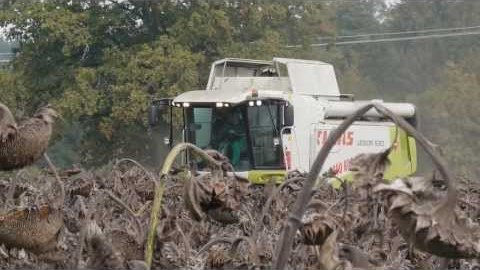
(248, 135)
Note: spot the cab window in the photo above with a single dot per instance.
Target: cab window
(264, 126)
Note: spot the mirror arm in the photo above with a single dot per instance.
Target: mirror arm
(170, 143)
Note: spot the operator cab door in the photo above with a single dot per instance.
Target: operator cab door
(265, 125)
(223, 129)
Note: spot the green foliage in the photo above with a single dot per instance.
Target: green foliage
(80, 99)
(101, 63)
(411, 67)
(352, 82)
(363, 17)
(47, 24)
(450, 112)
(14, 99)
(204, 28)
(114, 97)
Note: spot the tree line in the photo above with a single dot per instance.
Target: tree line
(101, 62)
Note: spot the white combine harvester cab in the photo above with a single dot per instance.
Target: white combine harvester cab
(272, 117)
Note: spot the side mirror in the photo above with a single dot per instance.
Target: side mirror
(155, 110)
(166, 141)
(288, 117)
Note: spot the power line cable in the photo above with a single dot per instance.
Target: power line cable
(389, 39)
(433, 30)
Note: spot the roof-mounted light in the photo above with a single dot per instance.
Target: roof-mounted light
(251, 103)
(258, 103)
(186, 104)
(219, 104)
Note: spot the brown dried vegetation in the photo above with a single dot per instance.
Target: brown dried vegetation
(218, 221)
(22, 144)
(35, 228)
(416, 209)
(332, 235)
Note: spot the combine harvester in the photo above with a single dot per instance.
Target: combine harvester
(273, 117)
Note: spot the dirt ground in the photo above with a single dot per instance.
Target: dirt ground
(106, 217)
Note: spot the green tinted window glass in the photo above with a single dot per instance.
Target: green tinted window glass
(264, 123)
(222, 129)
